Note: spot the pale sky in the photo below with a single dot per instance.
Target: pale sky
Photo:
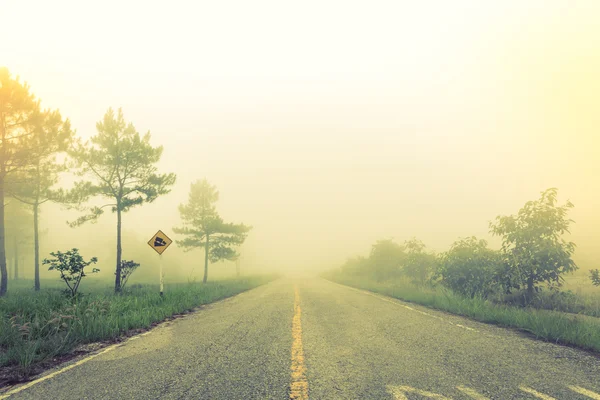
(330, 124)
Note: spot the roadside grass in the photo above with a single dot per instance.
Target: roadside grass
(578, 330)
(568, 301)
(38, 326)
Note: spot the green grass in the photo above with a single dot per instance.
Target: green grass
(565, 300)
(37, 326)
(578, 330)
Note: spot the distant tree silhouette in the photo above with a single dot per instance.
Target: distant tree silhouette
(203, 227)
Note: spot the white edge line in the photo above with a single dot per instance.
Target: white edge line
(398, 302)
(107, 349)
(60, 371)
(70, 366)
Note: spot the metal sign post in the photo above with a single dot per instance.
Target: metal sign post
(159, 243)
(160, 264)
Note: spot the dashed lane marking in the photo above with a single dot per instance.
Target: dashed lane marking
(536, 393)
(472, 393)
(585, 392)
(400, 392)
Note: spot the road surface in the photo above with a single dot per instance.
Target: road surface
(310, 338)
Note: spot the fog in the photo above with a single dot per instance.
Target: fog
(326, 125)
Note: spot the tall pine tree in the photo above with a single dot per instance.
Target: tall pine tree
(18, 109)
(33, 184)
(122, 166)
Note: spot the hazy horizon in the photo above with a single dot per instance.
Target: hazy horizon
(399, 120)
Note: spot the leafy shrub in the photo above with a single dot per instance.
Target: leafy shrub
(386, 259)
(71, 267)
(470, 268)
(356, 266)
(595, 277)
(418, 264)
(532, 244)
(127, 268)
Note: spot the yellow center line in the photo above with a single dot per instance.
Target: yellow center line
(299, 383)
(585, 392)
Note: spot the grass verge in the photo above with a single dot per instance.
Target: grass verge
(559, 327)
(36, 327)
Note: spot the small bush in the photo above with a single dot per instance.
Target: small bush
(418, 264)
(127, 268)
(386, 259)
(71, 267)
(470, 268)
(595, 277)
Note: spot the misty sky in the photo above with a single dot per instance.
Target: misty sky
(330, 124)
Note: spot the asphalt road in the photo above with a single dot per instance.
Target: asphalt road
(309, 338)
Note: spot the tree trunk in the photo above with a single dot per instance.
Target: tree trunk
(16, 258)
(119, 251)
(205, 261)
(3, 271)
(237, 267)
(530, 288)
(36, 246)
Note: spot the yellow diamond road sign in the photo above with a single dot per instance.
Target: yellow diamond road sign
(160, 242)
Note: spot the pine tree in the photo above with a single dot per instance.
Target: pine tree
(205, 228)
(33, 184)
(18, 109)
(121, 165)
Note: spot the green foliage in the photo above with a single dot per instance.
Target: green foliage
(71, 266)
(470, 268)
(386, 259)
(595, 277)
(418, 264)
(532, 244)
(565, 301)
(122, 166)
(33, 185)
(225, 240)
(127, 268)
(50, 135)
(203, 227)
(18, 109)
(356, 266)
(18, 221)
(533, 252)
